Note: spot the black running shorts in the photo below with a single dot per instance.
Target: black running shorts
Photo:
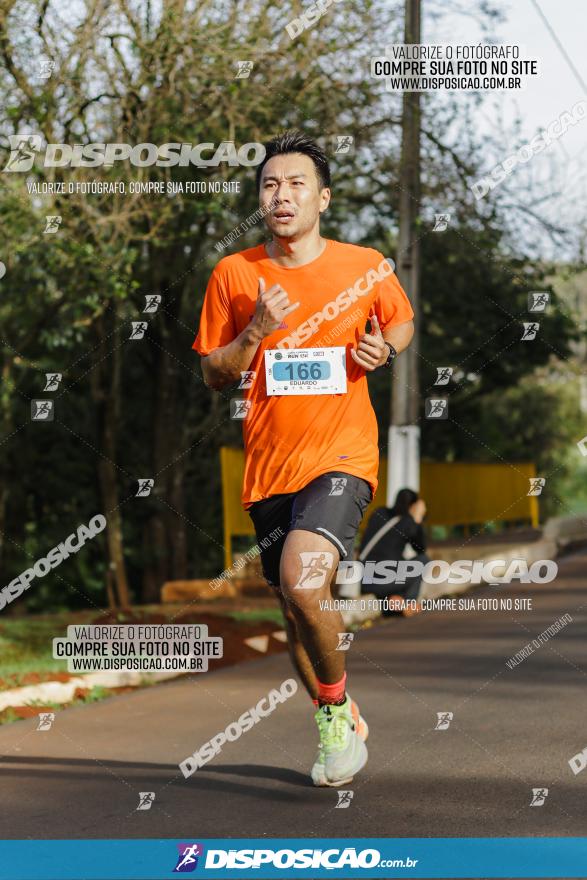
(332, 505)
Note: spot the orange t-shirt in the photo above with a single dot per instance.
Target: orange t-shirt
(291, 440)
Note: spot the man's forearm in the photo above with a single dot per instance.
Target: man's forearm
(224, 365)
(400, 336)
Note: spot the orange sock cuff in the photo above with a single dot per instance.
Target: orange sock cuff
(331, 693)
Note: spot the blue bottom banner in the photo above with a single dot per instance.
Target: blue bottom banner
(416, 857)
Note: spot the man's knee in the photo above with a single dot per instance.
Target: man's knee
(306, 573)
(303, 605)
(287, 610)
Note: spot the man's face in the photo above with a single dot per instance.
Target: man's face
(289, 184)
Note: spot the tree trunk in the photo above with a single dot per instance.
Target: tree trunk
(106, 395)
(154, 559)
(165, 533)
(7, 427)
(176, 521)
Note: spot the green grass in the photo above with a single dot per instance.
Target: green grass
(96, 693)
(26, 645)
(8, 716)
(272, 614)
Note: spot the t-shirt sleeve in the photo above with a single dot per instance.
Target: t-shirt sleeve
(217, 324)
(391, 304)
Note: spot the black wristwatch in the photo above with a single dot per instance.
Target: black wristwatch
(392, 355)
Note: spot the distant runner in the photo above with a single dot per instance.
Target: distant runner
(294, 312)
(395, 534)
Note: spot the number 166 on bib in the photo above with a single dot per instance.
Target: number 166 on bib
(306, 371)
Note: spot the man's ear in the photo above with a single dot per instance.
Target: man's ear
(324, 199)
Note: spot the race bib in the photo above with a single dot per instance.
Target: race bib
(306, 370)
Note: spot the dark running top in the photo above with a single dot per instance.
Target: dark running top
(386, 536)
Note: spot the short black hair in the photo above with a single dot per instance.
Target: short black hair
(294, 141)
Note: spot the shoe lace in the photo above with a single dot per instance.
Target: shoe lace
(333, 727)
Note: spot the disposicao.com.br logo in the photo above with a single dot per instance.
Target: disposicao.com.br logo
(328, 859)
(24, 148)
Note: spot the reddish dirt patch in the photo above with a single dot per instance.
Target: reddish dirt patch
(30, 711)
(38, 677)
(17, 679)
(233, 633)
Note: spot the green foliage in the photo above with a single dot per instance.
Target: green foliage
(272, 614)
(26, 646)
(67, 300)
(539, 420)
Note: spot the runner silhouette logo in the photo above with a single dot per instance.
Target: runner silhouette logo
(316, 566)
(338, 485)
(187, 861)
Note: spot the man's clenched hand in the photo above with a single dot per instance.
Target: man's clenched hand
(371, 352)
(272, 307)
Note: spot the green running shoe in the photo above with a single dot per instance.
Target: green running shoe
(342, 751)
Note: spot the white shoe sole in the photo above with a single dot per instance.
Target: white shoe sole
(320, 781)
(328, 784)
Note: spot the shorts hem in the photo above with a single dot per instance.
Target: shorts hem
(321, 473)
(318, 530)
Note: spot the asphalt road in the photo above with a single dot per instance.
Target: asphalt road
(512, 730)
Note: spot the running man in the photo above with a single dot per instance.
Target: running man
(294, 311)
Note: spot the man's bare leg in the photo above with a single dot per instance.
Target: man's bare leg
(342, 751)
(298, 654)
(317, 628)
